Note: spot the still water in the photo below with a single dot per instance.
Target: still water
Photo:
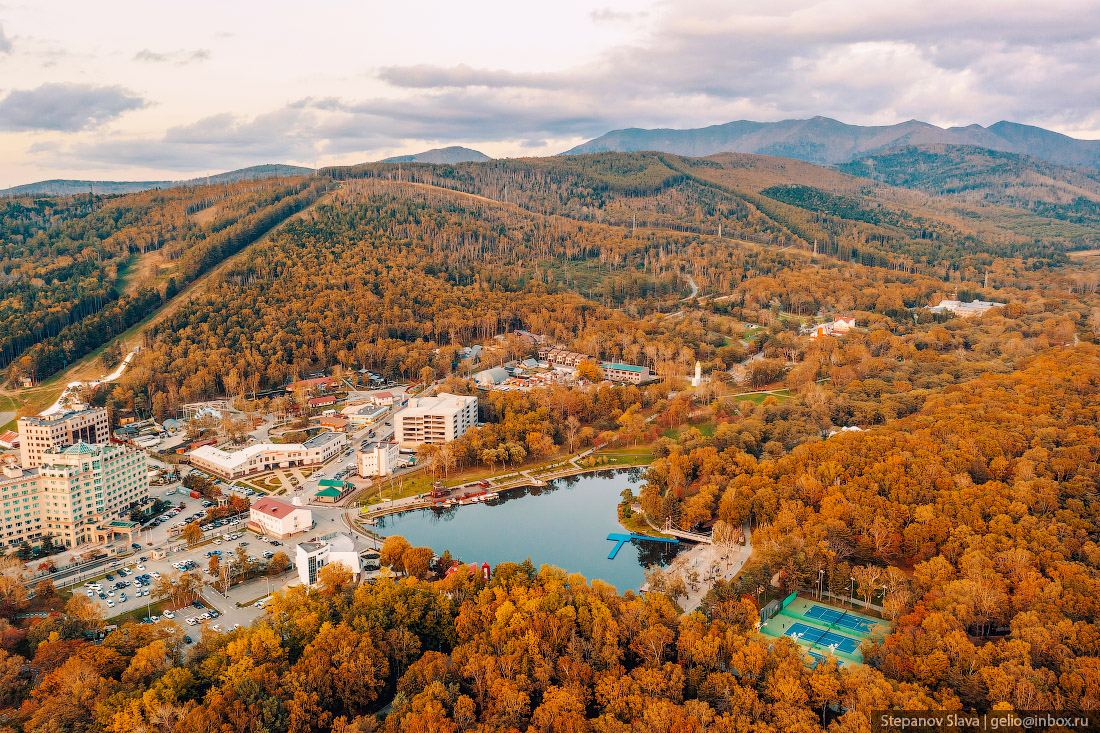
(564, 524)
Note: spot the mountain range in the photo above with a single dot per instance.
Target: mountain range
(826, 141)
(448, 156)
(62, 187)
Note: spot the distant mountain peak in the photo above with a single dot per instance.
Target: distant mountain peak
(447, 156)
(63, 187)
(826, 141)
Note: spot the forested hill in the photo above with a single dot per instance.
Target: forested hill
(972, 174)
(824, 141)
(59, 187)
(82, 269)
(760, 198)
(449, 156)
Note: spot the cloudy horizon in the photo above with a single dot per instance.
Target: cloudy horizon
(133, 91)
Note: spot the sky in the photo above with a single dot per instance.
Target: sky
(155, 90)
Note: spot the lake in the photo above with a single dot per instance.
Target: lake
(564, 524)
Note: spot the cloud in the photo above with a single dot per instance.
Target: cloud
(607, 15)
(5, 43)
(65, 107)
(179, 58)
(705, 62)
(425, 76)
(218, 141)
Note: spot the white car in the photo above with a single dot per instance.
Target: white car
(91, 593)
(217, 542)
(154, 619)
(169, 614)
(141, 568)
(217, 628)
(155, 574)
(110, 604)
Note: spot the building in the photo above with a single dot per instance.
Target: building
(321, 383)
(360, 415)
(561, 357)
(491, 377)
(339, 548)
(626, 373)
(324, 401)
(334, 422)
(86, 492)
(20, 507)
(49, 432)
(9, 439)
(278, 518)
(435, 420)
(964, 310)
(378, 459)
(263, 457)
(839, 327)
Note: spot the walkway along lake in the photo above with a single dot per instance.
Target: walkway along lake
(564, 524)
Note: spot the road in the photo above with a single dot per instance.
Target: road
(694, 288)
(73, 388)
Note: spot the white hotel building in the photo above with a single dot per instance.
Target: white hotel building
(253, 459)
(435, 420)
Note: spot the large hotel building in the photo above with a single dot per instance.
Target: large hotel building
(73, 490)
(43, 433)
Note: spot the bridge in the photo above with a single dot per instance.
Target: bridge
(621, 539)
(690, 536)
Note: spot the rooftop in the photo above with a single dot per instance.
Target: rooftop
(624, 367)
(274, 507)
(329, 492)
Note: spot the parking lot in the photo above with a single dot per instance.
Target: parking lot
(139, 572)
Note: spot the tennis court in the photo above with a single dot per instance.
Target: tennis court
(822, 637)
(841, 619)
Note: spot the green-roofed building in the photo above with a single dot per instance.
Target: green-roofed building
(626, 373)
(329, 495)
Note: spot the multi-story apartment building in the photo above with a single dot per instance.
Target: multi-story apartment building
(86, 491)
(43, 433)
(435, 420)
(626, 373)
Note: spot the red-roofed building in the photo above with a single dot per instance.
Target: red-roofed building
(9, 439)
(326, 401)
(278, 518)
(323, 383)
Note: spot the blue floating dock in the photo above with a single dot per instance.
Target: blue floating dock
(621, 539)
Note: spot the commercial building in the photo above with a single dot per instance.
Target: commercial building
(9, 439)
(435, 420)
(277, 518)
(339, 548)
(491, 377)
(49, 432)
(378, 459)
(86, 492)
(626, 373)
(360, 415)
(263, 457)
(964, 310)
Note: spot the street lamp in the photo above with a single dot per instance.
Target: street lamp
(821, 584)
(852, 594)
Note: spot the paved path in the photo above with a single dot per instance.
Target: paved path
(73, 388)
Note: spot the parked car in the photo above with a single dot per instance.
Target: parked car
(169, 614)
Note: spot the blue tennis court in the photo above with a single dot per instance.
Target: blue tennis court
(822, 637)
(839, 618)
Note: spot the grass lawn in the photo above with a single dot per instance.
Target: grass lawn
(758, 397)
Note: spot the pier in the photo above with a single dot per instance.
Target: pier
(621, 539)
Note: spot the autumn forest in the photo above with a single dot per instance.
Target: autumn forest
(950, 464)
